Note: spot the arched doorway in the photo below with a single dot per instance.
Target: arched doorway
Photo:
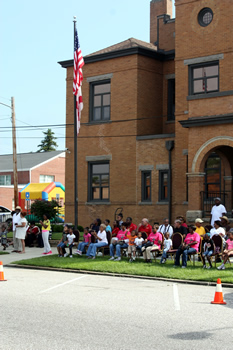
(217, 166)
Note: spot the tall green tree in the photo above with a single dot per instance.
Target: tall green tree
(48, 144)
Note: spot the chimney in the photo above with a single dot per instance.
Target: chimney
(158, 8)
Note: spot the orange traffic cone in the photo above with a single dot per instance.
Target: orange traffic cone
(1, 272)
(218, 298)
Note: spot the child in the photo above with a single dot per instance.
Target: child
(132, 246)
(62, 244)
(70, 238)
(108, 227)
(138, 241)
(4, 237)
(228, 251)
(86, 242)
(208, 250)
(167, 245)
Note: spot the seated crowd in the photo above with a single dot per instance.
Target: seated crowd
(148, 241)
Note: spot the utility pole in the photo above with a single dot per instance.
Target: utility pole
(14, 152)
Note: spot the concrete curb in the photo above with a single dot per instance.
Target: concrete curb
(198, 283)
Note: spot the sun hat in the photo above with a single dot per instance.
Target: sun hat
(199, 220)
(225, 218)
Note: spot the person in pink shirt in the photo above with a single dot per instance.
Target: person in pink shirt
(153, 242)
(120, 242)
(190, 246)
(85, 243)
(228, 251)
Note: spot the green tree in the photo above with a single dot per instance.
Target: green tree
(39, 208)
(48, 144)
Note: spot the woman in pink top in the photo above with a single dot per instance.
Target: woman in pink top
(152, 243)
(228, 251)
(190, 246)
(121, 242)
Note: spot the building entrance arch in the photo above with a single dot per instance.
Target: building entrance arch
(214, 160)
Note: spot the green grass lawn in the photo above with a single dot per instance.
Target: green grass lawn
(101, 264)
(1, 253)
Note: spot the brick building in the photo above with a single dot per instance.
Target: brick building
(156, 135)
(38, 167)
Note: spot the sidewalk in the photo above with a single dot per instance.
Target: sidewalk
(29, 253)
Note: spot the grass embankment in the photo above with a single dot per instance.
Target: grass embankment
(101, 264)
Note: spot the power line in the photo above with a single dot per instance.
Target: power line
(64, 125)
(72, 137)
(36, 126)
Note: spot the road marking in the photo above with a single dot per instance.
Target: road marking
(176, 297)
(62, 284)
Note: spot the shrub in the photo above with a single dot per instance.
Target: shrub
(80, 228)
(39, 208)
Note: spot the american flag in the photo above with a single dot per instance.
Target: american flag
(78, 78)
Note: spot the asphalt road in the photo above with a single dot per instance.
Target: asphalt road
(55, 310)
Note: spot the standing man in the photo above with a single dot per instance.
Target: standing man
(218, 210)
(166, 227)
(15, 220)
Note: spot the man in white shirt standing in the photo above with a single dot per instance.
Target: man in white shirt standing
(166, 228)
(218, 210)
(15, 221)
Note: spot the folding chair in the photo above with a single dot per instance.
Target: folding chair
(177, 240)
(198, 253)
(218, 243)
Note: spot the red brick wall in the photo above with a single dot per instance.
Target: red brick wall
(54, 167)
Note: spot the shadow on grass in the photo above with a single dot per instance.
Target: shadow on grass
(137, 268)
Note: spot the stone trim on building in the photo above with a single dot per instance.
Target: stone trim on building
(98, 158)
(203, 59)
(100, 77)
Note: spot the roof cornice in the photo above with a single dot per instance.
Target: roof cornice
(158, 55)
(207, 120)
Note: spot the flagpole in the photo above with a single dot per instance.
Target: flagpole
(75, 154)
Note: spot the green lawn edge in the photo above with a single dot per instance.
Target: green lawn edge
(2, 253)
(137, 268)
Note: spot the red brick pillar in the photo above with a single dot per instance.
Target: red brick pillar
(195, 186)
(228, 189)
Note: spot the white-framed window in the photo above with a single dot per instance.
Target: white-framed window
(46, 178)
(5, 180)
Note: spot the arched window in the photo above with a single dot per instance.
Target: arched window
(213, 174)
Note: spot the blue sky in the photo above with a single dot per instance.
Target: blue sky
(34, 36)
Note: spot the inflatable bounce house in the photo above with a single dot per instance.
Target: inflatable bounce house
(42, 191)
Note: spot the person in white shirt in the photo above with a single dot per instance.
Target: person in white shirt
(218, 210)
(70, 238)
(138, 241)
(166, 227)
(102, 241)
(15, 220)
(167, 244)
